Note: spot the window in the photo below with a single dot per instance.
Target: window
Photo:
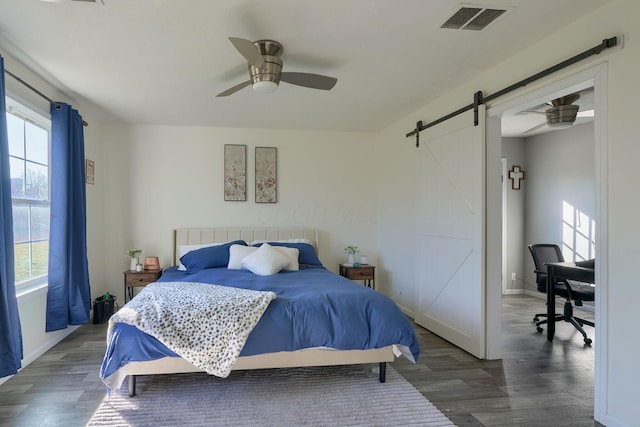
(29, 143)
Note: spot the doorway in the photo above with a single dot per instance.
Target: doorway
(596, 78)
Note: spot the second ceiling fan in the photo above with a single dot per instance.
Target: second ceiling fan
(265, 69)
(560, 113)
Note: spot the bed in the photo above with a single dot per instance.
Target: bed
(314, 317)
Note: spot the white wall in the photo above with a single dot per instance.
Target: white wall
(560, 179)
(164, 177)
(617, 17)
(513, 150)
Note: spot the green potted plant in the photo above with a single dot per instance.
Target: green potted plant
(351, 252)
(134, 254)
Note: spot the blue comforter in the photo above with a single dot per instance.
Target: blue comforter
(313, 308)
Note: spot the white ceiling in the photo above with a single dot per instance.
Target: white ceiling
(163, 61)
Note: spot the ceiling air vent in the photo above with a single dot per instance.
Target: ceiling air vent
(472, 17)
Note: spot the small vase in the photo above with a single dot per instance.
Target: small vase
(350, 258)
(134, 263)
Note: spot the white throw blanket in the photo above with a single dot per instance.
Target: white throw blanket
(207, 325)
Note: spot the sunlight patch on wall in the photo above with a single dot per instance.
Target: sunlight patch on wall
(578, 234)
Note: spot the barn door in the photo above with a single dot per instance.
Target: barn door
(450, 200)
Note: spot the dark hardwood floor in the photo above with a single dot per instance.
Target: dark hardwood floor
(537, 383)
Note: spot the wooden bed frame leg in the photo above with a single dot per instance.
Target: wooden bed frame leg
(132, 385)
(383, 372)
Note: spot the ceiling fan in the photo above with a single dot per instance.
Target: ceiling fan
(265, 69)
(561, 114)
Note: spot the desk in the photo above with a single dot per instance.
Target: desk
(555, 272)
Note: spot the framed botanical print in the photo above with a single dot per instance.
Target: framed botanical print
(235, 172)
(90, 171)
(266, 175)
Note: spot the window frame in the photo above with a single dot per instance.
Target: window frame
(29, 114)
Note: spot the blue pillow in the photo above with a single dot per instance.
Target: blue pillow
(307, 254)
(209, 257)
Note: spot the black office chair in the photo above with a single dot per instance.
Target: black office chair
(577, 292)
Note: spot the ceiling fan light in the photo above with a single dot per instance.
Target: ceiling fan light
(560, 125)
(265, 87)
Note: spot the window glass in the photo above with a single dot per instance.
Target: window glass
(40, 223)
(20, 223)
(15, 129)
(38, 143)
(37, 182)
(16, 167)
(29, 136)
(23, 262)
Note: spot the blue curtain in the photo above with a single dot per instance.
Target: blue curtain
(10, 331)
(69, 294)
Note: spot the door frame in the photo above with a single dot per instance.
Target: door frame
(597, 77)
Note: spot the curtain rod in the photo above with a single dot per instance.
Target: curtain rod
(479, 99)
(84, 123)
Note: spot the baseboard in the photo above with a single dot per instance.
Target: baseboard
(410, 313)
(513, 292)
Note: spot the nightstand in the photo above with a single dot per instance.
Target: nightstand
(364, 272)
(134, 279)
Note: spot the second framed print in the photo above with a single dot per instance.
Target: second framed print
(266, 175)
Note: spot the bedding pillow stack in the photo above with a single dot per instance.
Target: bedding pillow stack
(263, 261)
(261, 258)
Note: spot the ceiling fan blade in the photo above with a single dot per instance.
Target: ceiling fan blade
(530, 112)
(314, 81)
(234, 89)
(541, 125)
(586, 113)
(248, 50)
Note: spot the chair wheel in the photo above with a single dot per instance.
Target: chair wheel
(587, 341)
(535, 319)
(581, 324)
(539, 329)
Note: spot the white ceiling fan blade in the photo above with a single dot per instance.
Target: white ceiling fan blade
(586, 113)
(540, 126)
(314, 81)
(530, 112)
(234, 89)
(248, 50)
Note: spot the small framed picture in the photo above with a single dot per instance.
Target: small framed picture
(235, 172)
(90, 171)
(266, 175)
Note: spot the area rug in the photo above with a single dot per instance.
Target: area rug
(323, 396)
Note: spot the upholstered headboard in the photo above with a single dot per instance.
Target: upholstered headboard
(195, 236)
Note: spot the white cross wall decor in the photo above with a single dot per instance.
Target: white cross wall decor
(516, 174)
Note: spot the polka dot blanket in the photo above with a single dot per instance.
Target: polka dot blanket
(207, 325)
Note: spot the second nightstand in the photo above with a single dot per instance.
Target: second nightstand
(364, 272)
(134, 279)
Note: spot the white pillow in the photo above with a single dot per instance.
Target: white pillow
(266, 261)
(185, 249)
(236, 253)
(257, 242)
(292, 254)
